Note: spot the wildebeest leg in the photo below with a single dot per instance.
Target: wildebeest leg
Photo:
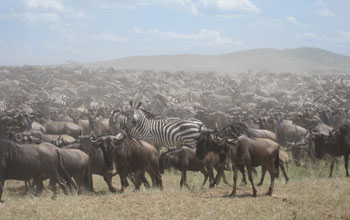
(2, 184)
(183, 180)
(331, 169)
(244, 180)
(28, 187)
(39, 186)
(224, 178)
(217, 178)
(124, 181)
(59, 180)
(138, 177)
(79, 179)
(346, 158)
(263, 172)
(211, 177)
(131, 177)
(272, 175)
(53, 188)
(284, 172)
(206, 175)
(108, 180)
(157, 177)
(250, 177)
(234, 181)
(145, 181)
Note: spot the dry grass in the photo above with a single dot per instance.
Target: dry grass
(309, 195)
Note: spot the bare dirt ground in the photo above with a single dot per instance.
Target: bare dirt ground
(309, 195)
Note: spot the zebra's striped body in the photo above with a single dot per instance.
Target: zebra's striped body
(215, 99)
(167, 132)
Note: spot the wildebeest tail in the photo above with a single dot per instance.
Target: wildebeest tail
(277, 163)
(64, 174)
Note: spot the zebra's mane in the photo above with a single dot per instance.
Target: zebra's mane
(148, 114)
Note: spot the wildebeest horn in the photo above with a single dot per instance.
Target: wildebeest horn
(92, 138)
(131, 103)
(59, 141)
(19, 137)
(120, 136)
(35, 140)
(314, 132)
(234, 134)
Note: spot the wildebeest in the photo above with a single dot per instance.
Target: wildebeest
(284, 161)
(130, 155)
(97, 163)
(184, 159)
(76, 163)
(212, 120)
(336, 143)
(238, 128)
(287, 131)
(24, 162)
(97, 124)
(58, 140)
(245, 152)
(61, 127)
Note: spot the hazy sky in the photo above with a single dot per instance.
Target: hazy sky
(55, 31)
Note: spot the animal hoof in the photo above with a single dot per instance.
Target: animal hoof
(259, 184)
(231, 195)
(2, 201)
(269, 194)
(254, 193)
(113, 190)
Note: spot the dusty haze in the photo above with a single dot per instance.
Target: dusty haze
(302, 59)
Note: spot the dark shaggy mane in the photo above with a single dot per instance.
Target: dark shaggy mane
(240, 128)
(131, 150)
(9, 148)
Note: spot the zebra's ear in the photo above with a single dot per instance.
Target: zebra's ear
(138, 105)
(131, 103)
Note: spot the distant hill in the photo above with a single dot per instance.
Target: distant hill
(304, 59)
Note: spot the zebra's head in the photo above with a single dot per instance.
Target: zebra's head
(135, 114)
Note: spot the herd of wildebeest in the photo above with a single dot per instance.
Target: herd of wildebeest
(66, 123)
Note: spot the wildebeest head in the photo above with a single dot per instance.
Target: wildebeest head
(206, 143)
(106, 144)
(323, 141)
(28, 138)
(5, 124)
(164, 162)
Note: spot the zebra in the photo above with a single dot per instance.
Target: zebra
(160, 132)
(215, 99)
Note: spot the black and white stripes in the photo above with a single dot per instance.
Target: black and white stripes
(167, 132)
